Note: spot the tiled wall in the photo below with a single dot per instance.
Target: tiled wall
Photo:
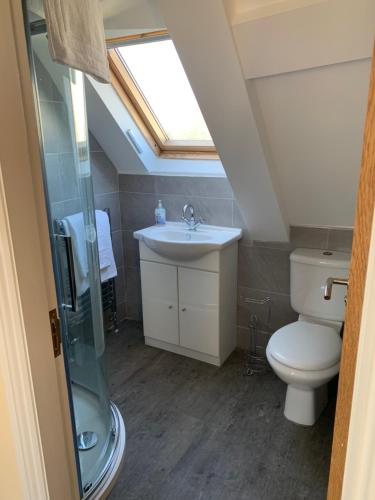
(212, 198)
(263, 267)
(264, 271)
(106, 191)
(61, 176)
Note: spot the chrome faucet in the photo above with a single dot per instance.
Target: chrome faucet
(191, 221)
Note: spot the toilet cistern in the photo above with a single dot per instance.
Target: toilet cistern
(191, 221)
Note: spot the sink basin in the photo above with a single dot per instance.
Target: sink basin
(175, 241)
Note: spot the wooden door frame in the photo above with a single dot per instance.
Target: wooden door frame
(358, 323)
(39, 430)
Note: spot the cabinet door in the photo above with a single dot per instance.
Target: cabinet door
(199, 310)
(160, 303)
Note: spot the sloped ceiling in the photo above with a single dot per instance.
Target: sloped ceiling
(283, 87)
(211, 63)
(307, 73)
(284, 92)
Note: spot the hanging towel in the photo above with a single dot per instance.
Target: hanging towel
(76, 36)
(106, 258)
(104, 239)
(75, 228)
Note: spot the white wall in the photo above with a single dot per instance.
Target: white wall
(324, 33)
(307, 72)
(313, 122)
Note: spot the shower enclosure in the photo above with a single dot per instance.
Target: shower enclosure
(60, 108)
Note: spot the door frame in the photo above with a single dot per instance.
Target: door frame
(359, 477)
(351, 400)
(33, 380)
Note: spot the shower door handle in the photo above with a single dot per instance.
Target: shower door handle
(329, 285)
(71, 273)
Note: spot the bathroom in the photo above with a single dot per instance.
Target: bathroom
(224, 224)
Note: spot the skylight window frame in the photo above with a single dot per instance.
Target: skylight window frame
(132, 97)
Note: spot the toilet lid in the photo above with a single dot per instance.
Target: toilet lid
(306, 346)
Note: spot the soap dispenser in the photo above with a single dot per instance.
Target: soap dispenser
(160, 214)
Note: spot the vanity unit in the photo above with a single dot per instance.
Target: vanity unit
(189, 289)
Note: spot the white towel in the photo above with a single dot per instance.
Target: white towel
(76, 36)
(75, 228)
(106, 258)
(104, 239)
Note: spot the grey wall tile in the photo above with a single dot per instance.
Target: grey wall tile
(264, 268)
(57, 210)
(308, 237)
(247, 339)
(117, 248)
(137, 210)
(268, 317)
(212, 187)
(55, 127)
(340, 239)
(68, 176)
(121, 311)
(46, 86)
(72, 206)
(133, 285)
(52, 172)
(278, 245)
(137, 183)
(120, 285)
(131, 249)
(243, 337)
(104, 174)
(133, 310)
(213, 210)
(112, 202)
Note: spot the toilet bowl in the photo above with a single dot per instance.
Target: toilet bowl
(305, 354)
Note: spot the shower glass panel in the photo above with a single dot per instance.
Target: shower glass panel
(60, 106)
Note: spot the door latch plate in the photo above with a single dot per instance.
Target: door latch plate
(55, 332)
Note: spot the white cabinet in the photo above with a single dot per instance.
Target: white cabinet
(160, 301)
(199, 310)
(189, 307)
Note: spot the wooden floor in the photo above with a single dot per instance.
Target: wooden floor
(195, 431)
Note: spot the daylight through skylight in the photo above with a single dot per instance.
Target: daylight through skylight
(158, 73)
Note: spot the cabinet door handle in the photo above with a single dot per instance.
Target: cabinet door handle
(183, 309)
(170, 307)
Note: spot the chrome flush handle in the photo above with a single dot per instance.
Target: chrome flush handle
(329, 284)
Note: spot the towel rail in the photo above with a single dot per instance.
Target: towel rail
(80, 305)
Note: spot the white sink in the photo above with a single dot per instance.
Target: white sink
(175, 241)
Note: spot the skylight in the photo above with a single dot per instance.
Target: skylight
(154, 79)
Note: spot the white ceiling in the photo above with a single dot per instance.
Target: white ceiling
(240, 11)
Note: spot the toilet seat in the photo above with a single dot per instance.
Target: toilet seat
(305, 346)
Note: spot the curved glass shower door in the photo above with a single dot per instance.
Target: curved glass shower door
(60, 106)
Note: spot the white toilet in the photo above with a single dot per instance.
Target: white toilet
(306, 354)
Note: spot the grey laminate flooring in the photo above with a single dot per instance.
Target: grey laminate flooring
(199, 432)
